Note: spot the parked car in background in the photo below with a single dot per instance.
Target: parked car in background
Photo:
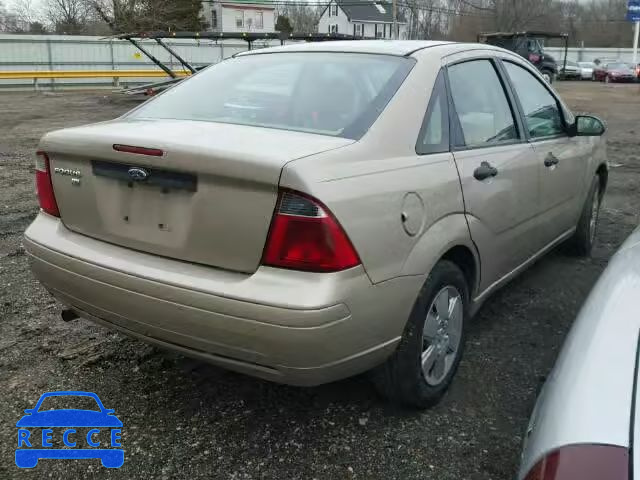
(614, 72)
(586, 70)
(599, 66)
(296, 213)
(586, 421)
(570, 71)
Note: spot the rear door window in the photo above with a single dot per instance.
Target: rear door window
(483, 111)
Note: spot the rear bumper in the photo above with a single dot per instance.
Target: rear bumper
(290, 327)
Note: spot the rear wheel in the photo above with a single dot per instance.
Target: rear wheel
(583, 240)
(422, 367)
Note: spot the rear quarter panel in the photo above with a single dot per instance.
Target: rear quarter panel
(370, 184)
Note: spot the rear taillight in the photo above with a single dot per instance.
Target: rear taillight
(304, 235)
(44, 187)
(583, 462)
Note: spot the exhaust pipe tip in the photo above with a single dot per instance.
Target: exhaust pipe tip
(67, 315)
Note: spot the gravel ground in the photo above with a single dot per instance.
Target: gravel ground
(185, 419)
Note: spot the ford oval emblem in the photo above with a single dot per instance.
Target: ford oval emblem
(138, 174)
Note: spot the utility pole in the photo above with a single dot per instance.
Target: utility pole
(395, 20)
(633, 15)
(635, 44)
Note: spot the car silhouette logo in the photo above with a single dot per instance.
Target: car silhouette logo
(138, 174)
(68, 420)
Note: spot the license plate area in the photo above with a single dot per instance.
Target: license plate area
(155, 210)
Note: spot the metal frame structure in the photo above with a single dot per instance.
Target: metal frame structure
(482, 38)
(249, 37)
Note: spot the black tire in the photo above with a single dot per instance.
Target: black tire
(583, 240)
(400, 378)
(548, 73)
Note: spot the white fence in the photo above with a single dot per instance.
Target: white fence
(61, 52)
(591, 54)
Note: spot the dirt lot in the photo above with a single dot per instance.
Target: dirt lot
(182, 418)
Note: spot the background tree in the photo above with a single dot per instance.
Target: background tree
(592, 23)
(283, 24)
(3, 14)
(148, 15)
(66, 16)
(37, 28)
(19, 17)
(302, 18)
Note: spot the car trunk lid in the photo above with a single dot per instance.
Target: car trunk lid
(208, 198)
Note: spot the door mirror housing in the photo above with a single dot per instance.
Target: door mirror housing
(587, 126)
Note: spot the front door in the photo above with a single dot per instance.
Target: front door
(498, 169)
(562, 160)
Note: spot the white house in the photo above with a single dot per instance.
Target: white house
(240, 16)
(361, 18)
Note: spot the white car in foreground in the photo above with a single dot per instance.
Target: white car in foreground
(585, 425)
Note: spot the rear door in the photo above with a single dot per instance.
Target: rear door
(498, 168)
(562, 161)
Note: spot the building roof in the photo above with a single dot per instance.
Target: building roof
(385, 47)
(369, 11)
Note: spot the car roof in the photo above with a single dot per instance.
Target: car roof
(385, 47)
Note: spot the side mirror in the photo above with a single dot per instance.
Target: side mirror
(30, 410)
(109, 411)
(587, 126)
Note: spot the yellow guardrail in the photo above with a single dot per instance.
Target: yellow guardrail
(41, 74)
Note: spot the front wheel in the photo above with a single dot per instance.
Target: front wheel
(583, 240)
(422, 367)
(607, 79)
(548, 76)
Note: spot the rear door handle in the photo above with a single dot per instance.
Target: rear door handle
(484, 171)
(551, 160)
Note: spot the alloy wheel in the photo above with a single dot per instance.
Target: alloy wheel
(441, 335)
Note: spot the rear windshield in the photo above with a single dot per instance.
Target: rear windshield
(339, 94)
(618, 66)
